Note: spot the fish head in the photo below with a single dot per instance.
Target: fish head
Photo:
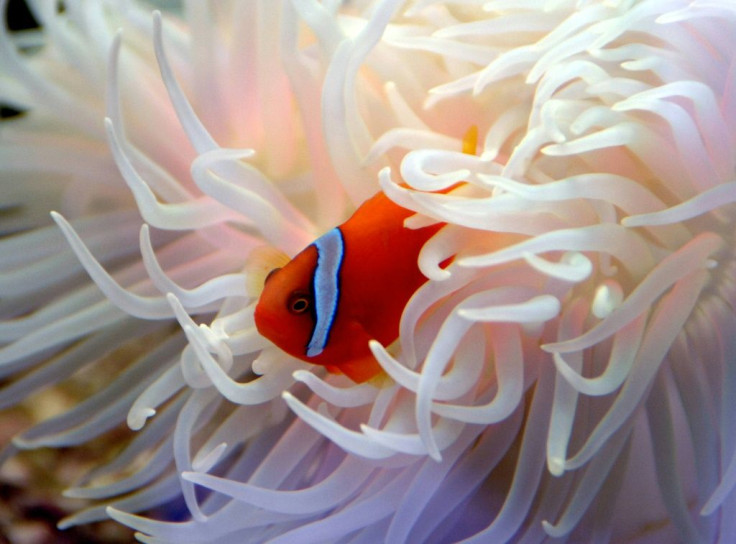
(301, 312)
(285, 310)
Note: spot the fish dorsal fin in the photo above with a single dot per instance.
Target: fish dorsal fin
(260, 263)
(470, 140)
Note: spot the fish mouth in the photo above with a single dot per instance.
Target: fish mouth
(272, 328)
(264, 322)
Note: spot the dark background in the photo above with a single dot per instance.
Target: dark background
(18, 17)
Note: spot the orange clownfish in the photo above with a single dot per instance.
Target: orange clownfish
(349, 286)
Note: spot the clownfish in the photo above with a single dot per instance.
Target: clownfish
(348, 287)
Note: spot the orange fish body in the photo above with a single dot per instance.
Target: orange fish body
(350, 286)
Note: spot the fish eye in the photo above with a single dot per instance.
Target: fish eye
(270, 275)
(299, 303)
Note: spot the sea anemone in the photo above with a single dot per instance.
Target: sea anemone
(568, 376)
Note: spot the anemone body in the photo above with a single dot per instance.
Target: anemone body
(569, 377)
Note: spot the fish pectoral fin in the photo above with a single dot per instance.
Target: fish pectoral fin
(381, 380)
(360, 366)
(260, 263)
